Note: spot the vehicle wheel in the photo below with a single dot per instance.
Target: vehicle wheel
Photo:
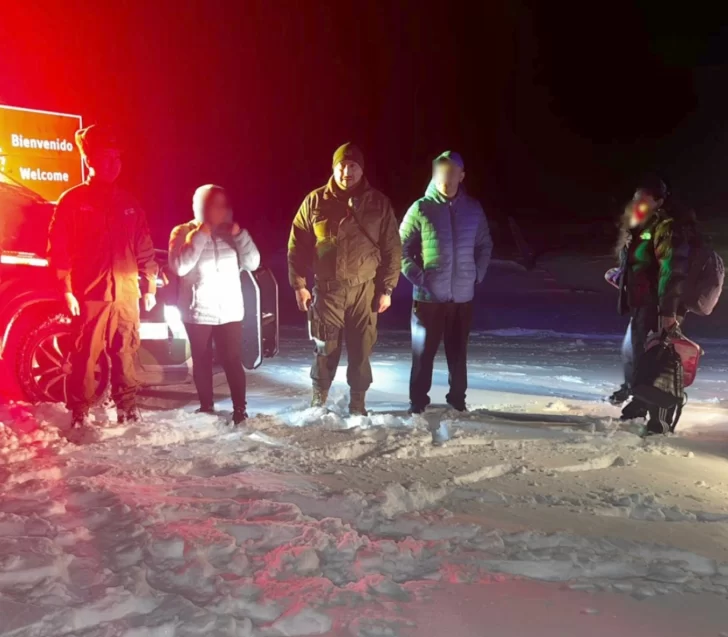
(44, 363)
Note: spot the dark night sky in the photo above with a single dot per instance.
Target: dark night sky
(557, 107)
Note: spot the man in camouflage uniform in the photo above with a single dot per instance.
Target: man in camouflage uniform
(346, 232)
(100, 246)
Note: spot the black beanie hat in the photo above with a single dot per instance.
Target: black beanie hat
(349, 152)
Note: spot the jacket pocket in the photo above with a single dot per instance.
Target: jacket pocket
(437, 286)
(430, 281)
(321, 230)
(426, 279)
(320, 330)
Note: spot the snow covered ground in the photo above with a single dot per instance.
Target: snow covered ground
(542, 515)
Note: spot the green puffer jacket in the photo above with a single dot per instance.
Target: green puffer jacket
(655, 262)
(446, 245)
(334, 234)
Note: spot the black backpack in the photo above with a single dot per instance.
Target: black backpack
(706, 277)
(659, 385)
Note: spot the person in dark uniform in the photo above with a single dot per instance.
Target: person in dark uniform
(100, 247)
(346, 232)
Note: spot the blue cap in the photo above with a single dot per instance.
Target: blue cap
(451, 157)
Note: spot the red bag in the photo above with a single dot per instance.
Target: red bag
(688, 351)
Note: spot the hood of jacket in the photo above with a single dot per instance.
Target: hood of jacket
(199, 202)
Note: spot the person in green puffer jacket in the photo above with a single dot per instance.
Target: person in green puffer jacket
(653, 252)
(446, 248)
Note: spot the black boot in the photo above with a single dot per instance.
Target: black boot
(357, 403)
(128, 415)
(210, 410)
(82, 428)
(319, 397)
(79, 418)
(634, 410)
(620, 396)
(239, 416)
(457, 404)
(418, 407)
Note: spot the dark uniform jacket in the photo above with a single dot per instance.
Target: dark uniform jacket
(99, 244)
(327, 238)
(655, 266)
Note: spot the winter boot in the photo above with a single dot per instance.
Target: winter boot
(357, 403)
(79, 418)
(210, 410)
(319, 397)
(418, 407)
(128, 415)
(620, 396)
(634, 410)
(239, 417)
(82, 428)
(458, 405)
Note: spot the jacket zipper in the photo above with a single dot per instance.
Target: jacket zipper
(452, 273)
(217, 269)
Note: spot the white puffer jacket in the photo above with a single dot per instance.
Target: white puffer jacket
(209, 268)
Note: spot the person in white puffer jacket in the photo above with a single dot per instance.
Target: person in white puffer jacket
(208, 255)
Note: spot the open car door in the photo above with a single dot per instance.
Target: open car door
(260, 325)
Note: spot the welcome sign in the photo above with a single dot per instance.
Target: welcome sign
(38, 150)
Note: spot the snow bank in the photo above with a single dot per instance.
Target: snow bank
(182, 526)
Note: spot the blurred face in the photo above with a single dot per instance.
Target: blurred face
(447, 177)
(217, 209)
(642, 207)
(105, 164)
(347, 174)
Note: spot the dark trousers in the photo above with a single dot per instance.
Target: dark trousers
(338, 316)
(643, 321)
(228, 339)
(431, 324)
(112, 327)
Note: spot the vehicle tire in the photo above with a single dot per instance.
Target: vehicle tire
(44, 363)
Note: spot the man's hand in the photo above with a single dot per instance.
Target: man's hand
(385, 302)
(74, 309)
(667, 323)
(303, 299)
(236, 229)
(149, 302)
